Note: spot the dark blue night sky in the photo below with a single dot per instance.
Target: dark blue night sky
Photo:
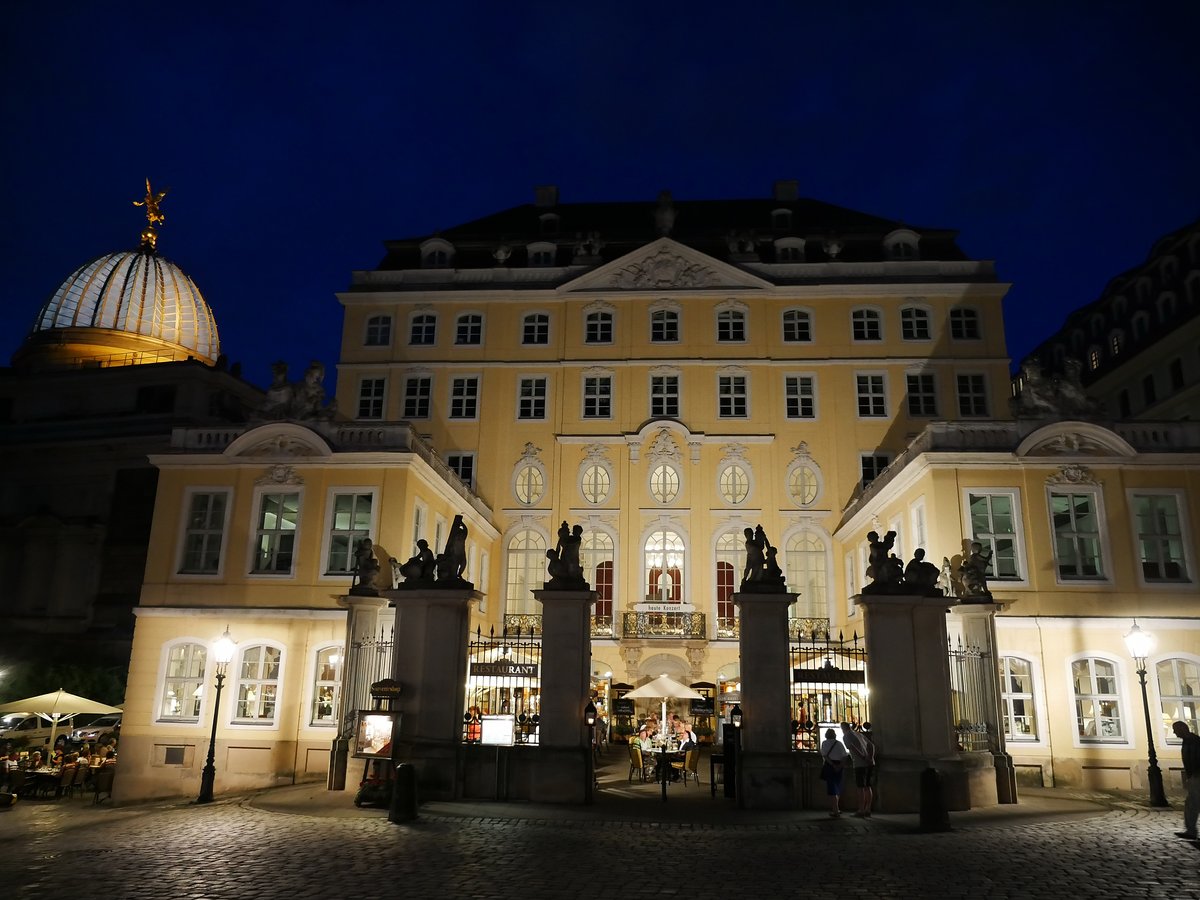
(1061, 139)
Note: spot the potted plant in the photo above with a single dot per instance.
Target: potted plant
(621, 732)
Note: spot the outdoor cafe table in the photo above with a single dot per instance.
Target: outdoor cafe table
(664, 756)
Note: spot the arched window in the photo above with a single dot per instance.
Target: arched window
(598, 328)
(1097, 703)
(731, 326)
(1141, 324)
(1116, 342)
(664, 326)
(807, 560)
(664, 567)
(1179, 693)
(535, 329)
(468, 329)
(797, 326)
(379, 331)
(1093, 358)
(1016, 698)
(598, 559)
(423, 330)
(526, 564)
(731, 561)
(866, 325)
(1166, 308)
(183, 683)
(914, 324)
(258, 684)
(327, 684)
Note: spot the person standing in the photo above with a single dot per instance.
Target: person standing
(1190, 752)
(862, 758)
(833, 761)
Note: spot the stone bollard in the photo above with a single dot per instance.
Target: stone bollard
(404, 794)
(934, 815)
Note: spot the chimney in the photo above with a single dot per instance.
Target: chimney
(787, 191)
(545, 195)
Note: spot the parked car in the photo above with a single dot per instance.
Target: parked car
(31, 731)
(97, 728)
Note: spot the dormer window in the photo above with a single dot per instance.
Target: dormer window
(542, 254)
(548, 223)
(1119, 308)
(1141, 324)
(436, 254)
(1097, 323)
(781, 219)
(1166, 308)
(1093, 358)
(789, 250)
(1116, 342)
(901, 245)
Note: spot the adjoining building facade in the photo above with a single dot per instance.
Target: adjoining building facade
(666, 375)
(125, 350)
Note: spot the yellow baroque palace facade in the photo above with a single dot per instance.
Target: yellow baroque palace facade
(666, 375)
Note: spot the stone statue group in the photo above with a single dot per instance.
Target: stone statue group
(423, 570)
(889, 574)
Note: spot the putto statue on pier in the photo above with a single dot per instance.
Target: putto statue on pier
(762, 574)
(562, 563)
(297, 401)
(366, 569)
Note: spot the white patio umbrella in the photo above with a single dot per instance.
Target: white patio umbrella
(55, 706)
(664, 688)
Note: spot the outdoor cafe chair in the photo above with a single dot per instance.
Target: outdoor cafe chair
(81, 776)
(689, 765)
(637, 765)
(102, 783)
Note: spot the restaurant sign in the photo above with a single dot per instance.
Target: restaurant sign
(504, 669)
(829, 675)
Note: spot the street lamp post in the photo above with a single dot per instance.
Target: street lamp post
(222, 654)
(1141, 645)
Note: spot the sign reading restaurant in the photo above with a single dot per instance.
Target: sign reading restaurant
(505, 669)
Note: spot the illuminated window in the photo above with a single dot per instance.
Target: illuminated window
(183, 683)
(1097, 705)
(1016, 699)
(327, 682)
(1076, 523)
(275, 533)
(664, 557)
(597, 557)
(526, 564)
(994, 523)
(351, 522)
(258, 685)
(596, 483)
(807, 561)
(529, 484)
(803, 484)
(664, 483)
(1179, 692)
(734, 484)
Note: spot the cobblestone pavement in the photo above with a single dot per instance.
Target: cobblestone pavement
(304, 842)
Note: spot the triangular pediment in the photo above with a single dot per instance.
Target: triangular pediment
(665, 265)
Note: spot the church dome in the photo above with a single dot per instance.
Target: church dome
(124, 308)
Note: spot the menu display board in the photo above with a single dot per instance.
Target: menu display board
(373, 733)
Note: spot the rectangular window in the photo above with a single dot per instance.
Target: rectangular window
(1076, 523)
(664, 395)
(1016, 699)
(597, 397)
(917, 517)
(732, 399)
(873, 465)
(922, 395)
(370, 398)
(350, 523)
(964, 324)
(204, 533)
(1097, 704)
(532, 401)
(417, 392)
(872, 401)
(994, 524)
(972, 395)
(275, 533)
(463, 465)
(866, 325)
(464, 397)
(1160, 537)
(800, 396)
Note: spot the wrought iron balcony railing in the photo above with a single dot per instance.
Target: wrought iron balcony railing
(663, 625)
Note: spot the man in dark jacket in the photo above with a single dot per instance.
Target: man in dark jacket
(1191, 777)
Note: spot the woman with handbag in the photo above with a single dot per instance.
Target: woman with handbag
(833, 761)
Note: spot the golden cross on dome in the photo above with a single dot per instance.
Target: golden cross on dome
(154, 215)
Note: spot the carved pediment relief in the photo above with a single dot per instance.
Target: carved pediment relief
(1072, 475)
(1075, 439)
(282, 440)
(664, 265)
(663, 447)
(279, 475)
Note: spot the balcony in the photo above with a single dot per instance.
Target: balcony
(682, 625)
